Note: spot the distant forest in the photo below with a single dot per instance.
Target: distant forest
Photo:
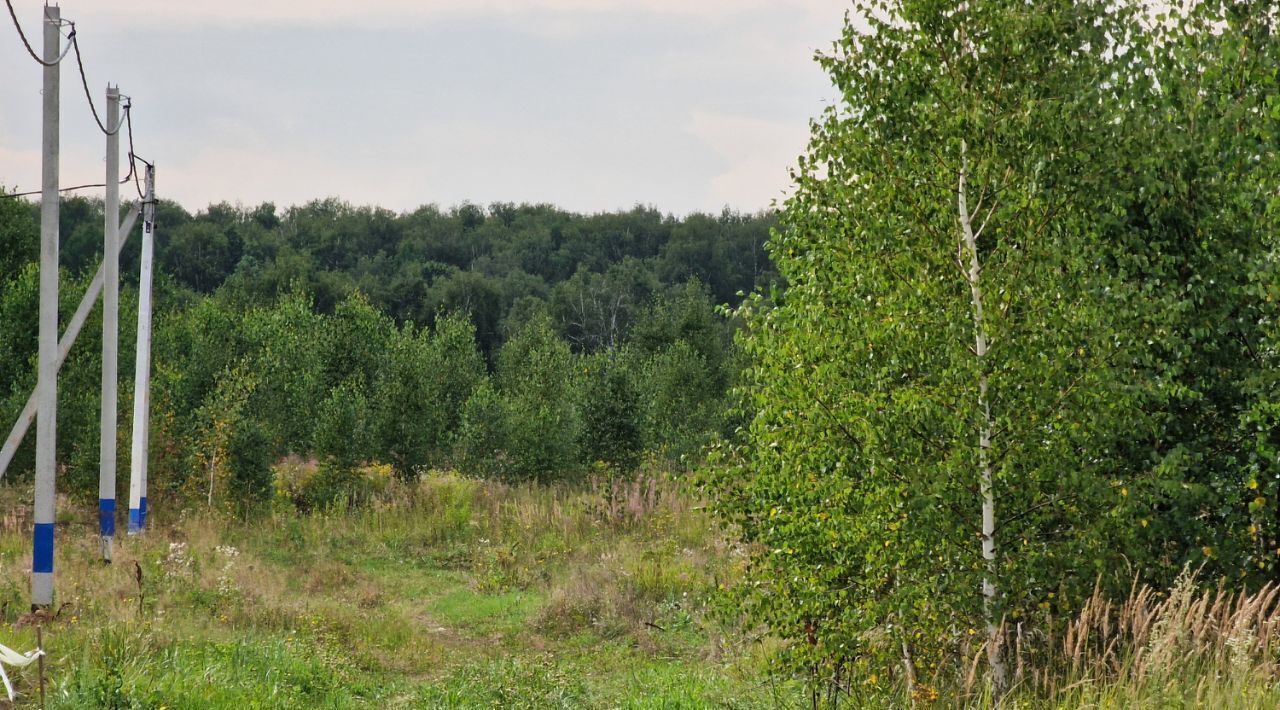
(518, 341)
(594, 273)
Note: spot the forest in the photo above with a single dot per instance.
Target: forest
(985, 413)
(429, 339)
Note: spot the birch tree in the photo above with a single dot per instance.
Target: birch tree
(930, 400)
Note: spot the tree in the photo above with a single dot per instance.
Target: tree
(685, 313)
(19, 237)
(682, 401)
(355, 342)
(475, 296)
(343, 434)
(1201, 249)
(249, 464)
(595, 311)
(931, 399)
(529, 425)
(287, 357)
(428, 377)
(200, 255)
(611, 412)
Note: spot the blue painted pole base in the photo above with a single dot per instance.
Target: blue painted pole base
(107, 516)
(42, 548)
(42, 564)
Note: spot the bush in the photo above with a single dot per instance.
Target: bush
(342, 426)
(312, 486)
(611, 426)
(682, 404)
(482, 436)
(528, 428)
(249, 462)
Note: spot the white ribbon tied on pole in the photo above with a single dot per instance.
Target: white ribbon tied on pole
(10, 657)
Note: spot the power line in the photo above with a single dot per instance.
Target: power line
(128, 119)
(84, 81)
(131, 176)
(61, 189)
(128, 177)
(18, 26)
(73, 42)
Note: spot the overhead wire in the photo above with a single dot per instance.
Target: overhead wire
(84, 81)
(61, 189)
(133, 156)
(126, 120)
(132, 176)
(23, 35)
(126, 179)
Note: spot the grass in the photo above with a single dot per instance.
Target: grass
(460, 593)
(446, 593)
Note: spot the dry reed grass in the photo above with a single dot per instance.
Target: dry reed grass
(1153, 641)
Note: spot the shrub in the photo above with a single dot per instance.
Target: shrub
(249, 462)
(312, 486)
(482, 435)
(342, 426)
(528, 428)
(611, 414)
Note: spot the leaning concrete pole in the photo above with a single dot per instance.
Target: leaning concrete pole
(47, 379)
(110, 330)
(142, 371)
(69, 336)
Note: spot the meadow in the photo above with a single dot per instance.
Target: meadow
(444, 593)
(453, 592)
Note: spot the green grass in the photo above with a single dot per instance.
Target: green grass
(450, 593)
(477, 613)
(457, 594)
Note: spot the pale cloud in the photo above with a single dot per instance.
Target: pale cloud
(756, 156)
(397, 13)
(592, 105)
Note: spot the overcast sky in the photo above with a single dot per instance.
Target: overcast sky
(588, 104)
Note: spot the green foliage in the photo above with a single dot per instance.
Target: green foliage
(19, 236)
(539, 382)
(249, 462)
(684, 313)
(290, 367)
(343, 433)
(596, 310)
(860, 476)
(612, 417)
(482, 434)
(682, 401)
(261, 315)
(527, 425)
(420, 392)
(1201, 252)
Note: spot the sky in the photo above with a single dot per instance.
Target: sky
(591, 105)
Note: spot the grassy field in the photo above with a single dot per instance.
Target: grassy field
(458, 593)
(450, 593)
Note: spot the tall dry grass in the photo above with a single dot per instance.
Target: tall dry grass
(1190, 646)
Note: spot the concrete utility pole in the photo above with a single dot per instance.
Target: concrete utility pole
(47, 380)
(81, 315)
(142, 371)
(110, 329)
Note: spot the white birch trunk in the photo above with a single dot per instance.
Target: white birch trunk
(995, 654)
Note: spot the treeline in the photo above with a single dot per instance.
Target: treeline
(594, 272)
(520, 342)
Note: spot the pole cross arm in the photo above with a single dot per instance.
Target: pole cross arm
(64, 347)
